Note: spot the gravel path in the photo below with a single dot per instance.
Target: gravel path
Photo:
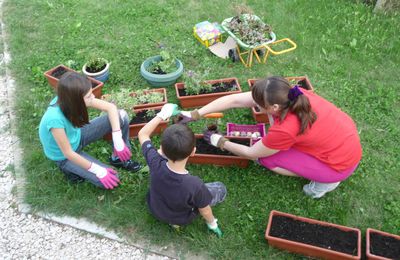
(25, 236)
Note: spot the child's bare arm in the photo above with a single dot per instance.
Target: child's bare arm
(145, 132)
(207, 214)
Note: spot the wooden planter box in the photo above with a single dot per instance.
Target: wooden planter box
(220, 160)
(204, 99)
(160, 90)
(304, 228)
(260, 117)
(53, 81)
(388, 247)
(135, 128)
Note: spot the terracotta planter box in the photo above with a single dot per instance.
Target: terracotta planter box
(329, 237)
(260, 117)
(382, 245)
(220, 160)
(204, 99)
(135, 128)
(160, 90)
(55, 73)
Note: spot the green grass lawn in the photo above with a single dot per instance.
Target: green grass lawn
(351, 56)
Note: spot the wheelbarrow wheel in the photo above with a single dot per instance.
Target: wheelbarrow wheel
(233, 55)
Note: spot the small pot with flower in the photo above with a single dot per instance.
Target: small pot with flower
(161, 70)
(195, 91)
(97, 68)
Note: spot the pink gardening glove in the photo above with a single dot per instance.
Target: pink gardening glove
(107, 176)
(120, 148)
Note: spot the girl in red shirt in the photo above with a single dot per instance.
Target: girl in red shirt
(309, 136)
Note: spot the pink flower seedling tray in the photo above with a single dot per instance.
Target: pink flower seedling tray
(246, 131)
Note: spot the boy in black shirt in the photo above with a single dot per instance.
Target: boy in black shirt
(175, 196)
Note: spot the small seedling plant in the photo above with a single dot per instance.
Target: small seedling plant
(166, 65)
(195, 83)
(95, 64)
(145, 97)
(122, 100)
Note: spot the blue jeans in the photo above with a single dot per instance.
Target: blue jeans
(218, 192)
(90, 133)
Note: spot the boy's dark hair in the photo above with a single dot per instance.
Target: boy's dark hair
(177, 142)
(71, 89)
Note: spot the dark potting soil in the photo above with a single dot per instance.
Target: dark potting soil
(142, 117)
(158, 71)
(58, 72)
(303, 84)
(313, 234)
(385, 246)
(216, 88)
(93, 70)
(202, 147)
(94, 84)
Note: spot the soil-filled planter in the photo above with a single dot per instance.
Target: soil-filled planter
(208, 154)
(53, 76)
(260, 117)
(140, 120)
(101, 75)
(202, 99)
(311, 237)
(163, 91)
(159, 80)
(382, 245)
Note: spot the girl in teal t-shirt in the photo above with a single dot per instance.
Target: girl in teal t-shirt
(65, 129)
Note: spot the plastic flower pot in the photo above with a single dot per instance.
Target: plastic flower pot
(53, 76)
(147, 105)
(102, 75)
(203, 99)
(159, 80)
(255, 132)
(311, 237)
(382, 245)
(216, 159)
(260, 117)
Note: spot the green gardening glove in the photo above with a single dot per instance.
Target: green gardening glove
(213, 226)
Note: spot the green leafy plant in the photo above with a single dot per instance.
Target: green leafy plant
(195, 83)
(166, 65)
(95, 64)
(150, 113)
(249, 29)
(121, 99)
(144, 97)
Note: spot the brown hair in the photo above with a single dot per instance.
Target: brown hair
(71, 89)
(275, 90)
(177, 142)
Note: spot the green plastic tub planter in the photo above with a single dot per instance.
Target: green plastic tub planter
(311, 237)
(217, 159)
(382, 245)
(53, 76)
(159, 80)
(101, 75)
(260, 117)
(204, 99)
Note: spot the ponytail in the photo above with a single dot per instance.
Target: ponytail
(277, 90)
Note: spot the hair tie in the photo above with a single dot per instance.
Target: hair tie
(294, 93)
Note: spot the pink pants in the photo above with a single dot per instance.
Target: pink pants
(306, 166)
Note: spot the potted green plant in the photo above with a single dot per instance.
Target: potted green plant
(149, 98)
(161, 70)
(302, 81)
(381, 245)
(142, 117)
(53, 75)
(195, 91)
(311, 237)
(97, 68)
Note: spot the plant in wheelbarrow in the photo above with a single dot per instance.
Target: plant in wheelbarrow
(196, 91)
(161, 70)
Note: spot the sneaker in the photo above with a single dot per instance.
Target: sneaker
(317, 189)
(127, 165)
